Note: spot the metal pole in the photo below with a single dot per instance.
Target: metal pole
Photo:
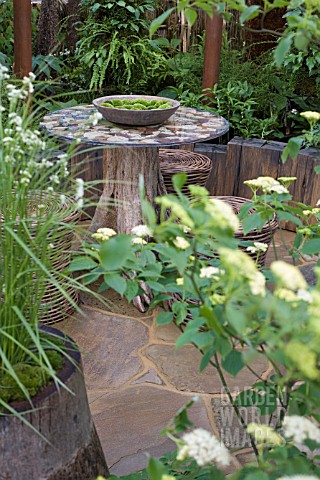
(22, 37)
(212, 50)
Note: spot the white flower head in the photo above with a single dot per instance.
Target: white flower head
(312, 117)
(205, 448)
(266, 184)
(141, 231)
(94, 118)
(223, 214)
(79, 188)
(257, 247)
(179, 281)
(299, 477)
(277, 189)
(264, 435)
(181, 243)
(138, 241)
(257, 283)
(304, 295)
(300, 429)
(288, 276)
(211, 272)
(104, 234)
(4, 73)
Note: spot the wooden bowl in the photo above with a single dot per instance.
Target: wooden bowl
(122, 116)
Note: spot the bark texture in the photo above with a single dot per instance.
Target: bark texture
(119, 206)
(48, 26)
(72, 450)
(73, 19)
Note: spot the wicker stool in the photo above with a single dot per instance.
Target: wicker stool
(264, 235)
(196, 166)
(54, 306)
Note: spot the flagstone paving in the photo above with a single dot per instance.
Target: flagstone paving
(137, 380)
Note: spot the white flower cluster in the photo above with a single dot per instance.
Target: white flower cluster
(104, 234)
(138, 241)
(211, 272)
(204, 448)
(223, 214)
(290, 283)
(242, 265)
(312, 117)
(257, 247)
(79, 191)
(299, 477)
(141, 231)
(264, 435)
(4, 73)
(181, 243)
(94, 119)
(300, 429)
(267, 185)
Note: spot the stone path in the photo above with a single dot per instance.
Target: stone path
(137, 380)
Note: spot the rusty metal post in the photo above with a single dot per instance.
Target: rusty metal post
(212, 50)
(22, 37)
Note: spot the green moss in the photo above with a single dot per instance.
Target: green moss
(33, 377)
(138, 104)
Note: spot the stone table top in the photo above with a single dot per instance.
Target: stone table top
(187, 125)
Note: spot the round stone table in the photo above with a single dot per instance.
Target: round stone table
(129, 152)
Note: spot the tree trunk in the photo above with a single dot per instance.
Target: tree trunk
(48, 26)
(74, 17)
(120, 206)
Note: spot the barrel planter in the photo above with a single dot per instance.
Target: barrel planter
(66, 446)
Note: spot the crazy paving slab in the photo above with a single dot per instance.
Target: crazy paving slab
(181, 368)
(129, 423)
(109, 346)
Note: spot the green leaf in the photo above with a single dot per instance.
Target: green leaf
(251, 222)
(132, 290)
(116, 281)
(301, 41)
(163, 318)
(155, 469)
(206, 358)
(311, 246)
(186, 337)
(249, 13)
(90, 278)
(292, 149)
(178, 180)
(115, 251)
(212, 320)
(157, 22)
(191, 16)
(82, 263)
(282, 49)
(289, 217)
(233, 362)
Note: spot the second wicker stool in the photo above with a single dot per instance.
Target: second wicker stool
(196, 166)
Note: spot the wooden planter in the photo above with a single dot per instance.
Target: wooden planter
(247, 158)
(72, 450)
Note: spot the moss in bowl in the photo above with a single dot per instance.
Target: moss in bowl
(136, 110)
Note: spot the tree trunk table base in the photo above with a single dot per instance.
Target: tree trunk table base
(119, 206)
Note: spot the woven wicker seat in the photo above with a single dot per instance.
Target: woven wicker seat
(54, 306)
(196, 166)
(263, 236)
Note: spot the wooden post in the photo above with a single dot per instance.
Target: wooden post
(212, 50)
(22, 37)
